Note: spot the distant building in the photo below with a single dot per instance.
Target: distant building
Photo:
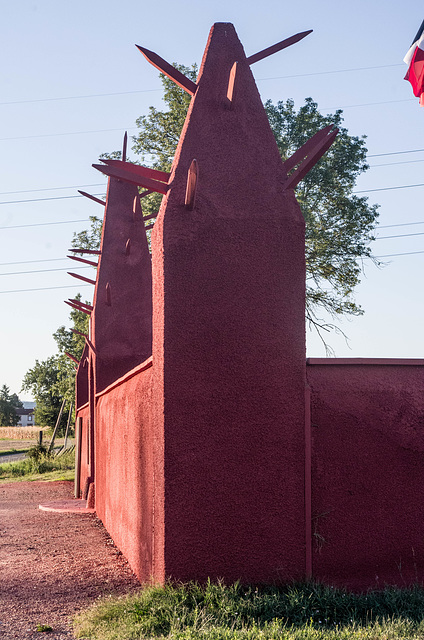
(26, 414)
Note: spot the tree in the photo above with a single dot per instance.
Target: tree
(9, 402)
(53, 380)
(339, 225)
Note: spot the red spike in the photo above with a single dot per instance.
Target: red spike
(93, 264)
(124, 147)
(310, 161)
(277, 47)
(192, 179)
(146, 193)
(87, 195)
(132, 178)
(306, 148)
(83, 278)
(152, 215)
(80, 333)
(128, 247)
(72, 357)
(74, 306)
(91, 345)
(168, 70)
(149, 226)
(92, 251)
(108, 296)
(231, 85)
(82, 304)
(139, 170)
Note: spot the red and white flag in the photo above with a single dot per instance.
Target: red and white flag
(415, 61)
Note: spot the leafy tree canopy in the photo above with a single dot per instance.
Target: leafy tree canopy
(8, 403)
(52, 380)
(339, 225)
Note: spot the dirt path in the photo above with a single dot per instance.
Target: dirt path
(52, 564)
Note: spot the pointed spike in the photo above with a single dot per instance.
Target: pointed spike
(92, 251)
(192, 180)
(81, 304)
(79, 333)
(152, 215)
(138, 170)
(130, 177)
(232, 85)
(83, 278)
(306, 148)
(146, 193)
(310, 161)
(90, 262)
(108, 295)
(149, 226)
(72, 357)
(74, 306)
(168, 70)
(124, 147)
(87, 195)
(91, 345)
(128, 247)
(277, 47)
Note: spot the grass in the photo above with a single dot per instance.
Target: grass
(41, 467)
(292, 612)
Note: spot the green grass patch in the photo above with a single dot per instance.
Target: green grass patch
(39, 466)
(236, 612)
(8, 452)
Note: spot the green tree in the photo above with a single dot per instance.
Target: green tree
(52, 380)
(9, 402)
(339, 225)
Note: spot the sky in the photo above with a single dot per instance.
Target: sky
(72, 82)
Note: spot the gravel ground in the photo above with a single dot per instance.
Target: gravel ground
(52, 564)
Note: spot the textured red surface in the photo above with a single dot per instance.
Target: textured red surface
(84, 413)
(229, 342)
(367, 473)
(124, 469)
(122, 321)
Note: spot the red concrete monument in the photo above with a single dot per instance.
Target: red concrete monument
(214, 450)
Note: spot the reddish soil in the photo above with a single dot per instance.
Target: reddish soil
(52, 564)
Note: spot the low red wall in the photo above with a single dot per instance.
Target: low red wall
(367, 422)
(124, 467)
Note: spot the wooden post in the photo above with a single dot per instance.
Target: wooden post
(40, 438)
(78, 443)
(57, 426)
(67, 426)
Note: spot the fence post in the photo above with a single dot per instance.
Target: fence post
(40, 438)
(57, 425)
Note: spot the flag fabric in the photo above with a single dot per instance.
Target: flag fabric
(415, 61)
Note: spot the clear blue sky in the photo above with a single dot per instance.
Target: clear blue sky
(58, 60)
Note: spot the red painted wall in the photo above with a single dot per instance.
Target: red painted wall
(229, 343)
(124, 468)
(367, 472)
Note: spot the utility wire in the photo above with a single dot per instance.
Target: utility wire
(45, 199)
(394, 153)
(72, 186)
(67, 133)
(123, 93)
(19, 273)
(43, 224)
(46, 288)
(6, 264)
(406, 235)
(404, 186)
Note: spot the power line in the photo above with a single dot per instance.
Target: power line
(45, 199)
(46, 288)
(68, 133)
(72, 186)
(394, 153)
(367, 104)
(392, 164)
(6, 264)
(43, 224)
(392, 255)
(406, 235)
(402, 224)
(19, 273)
(123, 93)
(404, 186)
